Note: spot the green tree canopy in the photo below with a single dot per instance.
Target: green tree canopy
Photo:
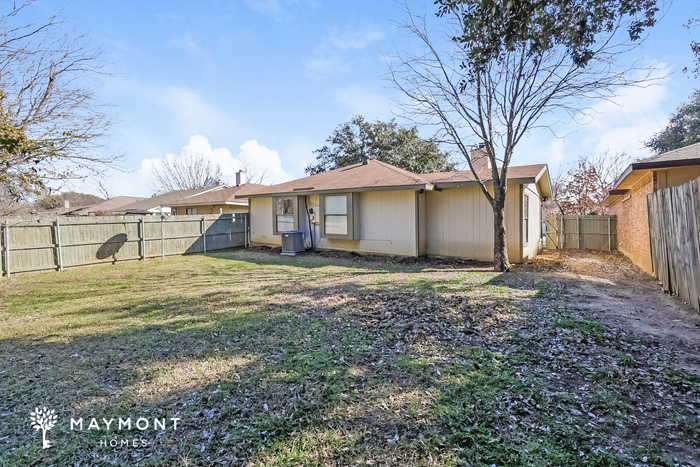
(682, 130)
(493, 27)
(21, 159)
(383, 141)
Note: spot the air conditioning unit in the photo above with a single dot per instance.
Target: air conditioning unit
(292, 242)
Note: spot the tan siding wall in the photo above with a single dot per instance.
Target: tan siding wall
(460, 223)
(422, 224)
(261, 223)
(387, 224)
(534, 244)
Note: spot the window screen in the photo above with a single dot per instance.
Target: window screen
(284, 214)
(526, 217)
(335, 211)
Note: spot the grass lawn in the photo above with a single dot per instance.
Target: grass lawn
(269, 360)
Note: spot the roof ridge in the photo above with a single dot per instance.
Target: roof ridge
(400, 171)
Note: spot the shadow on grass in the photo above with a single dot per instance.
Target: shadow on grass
(319, 381)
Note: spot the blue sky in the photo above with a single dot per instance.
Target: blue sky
(269, 80)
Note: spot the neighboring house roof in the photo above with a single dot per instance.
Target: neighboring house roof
(222, 196)
(108, 205)
(376, 175)
(145, 205)
(682, 157)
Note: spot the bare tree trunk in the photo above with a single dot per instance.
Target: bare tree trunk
(500, 244)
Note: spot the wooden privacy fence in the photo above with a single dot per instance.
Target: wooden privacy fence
(584, 232)
(40, 244)
(674, 235)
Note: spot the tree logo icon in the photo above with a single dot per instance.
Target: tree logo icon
(44, 419)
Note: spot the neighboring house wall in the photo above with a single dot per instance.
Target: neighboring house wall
(214, 209)
(633, 223)
(460, 223)
(676, 176)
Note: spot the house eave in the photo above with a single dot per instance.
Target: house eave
(422, 186)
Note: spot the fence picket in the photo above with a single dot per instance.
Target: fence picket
(674, 234)
(591, 232)
(43, 244)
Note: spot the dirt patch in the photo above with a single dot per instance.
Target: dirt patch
(616, 292)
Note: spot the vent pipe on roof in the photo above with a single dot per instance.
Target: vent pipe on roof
(365, 160)
(241, 178)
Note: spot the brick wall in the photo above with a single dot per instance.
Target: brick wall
(633, 224)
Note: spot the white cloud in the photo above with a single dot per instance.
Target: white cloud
(263, 160)
(278, 9)
(327, 59)
(192, 112)
(326, 64)
(620, 124)
(255, 157)
(359, 101)
(355, 37)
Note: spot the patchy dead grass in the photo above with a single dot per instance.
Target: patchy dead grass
(334, 361)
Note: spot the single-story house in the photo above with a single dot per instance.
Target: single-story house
(221, 201)
(160, 203)
(107, 206)
(373, 207)
(628, 198)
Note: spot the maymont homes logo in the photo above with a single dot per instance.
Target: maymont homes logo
(43, 418)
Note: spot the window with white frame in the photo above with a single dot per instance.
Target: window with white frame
(526, 217)
(284, 210)
(191, 211)
(337, 216)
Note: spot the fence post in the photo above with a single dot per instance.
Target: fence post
(578, 232)
(204, 234)
(143, 239)
(609, 235)
(162, 238)
(59, 253)
(7, 248)
(245, 230)
(561, 233)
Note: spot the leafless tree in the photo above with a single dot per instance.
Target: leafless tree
(185, 172)
(504, 100)
(104, 191)
(48, 78)
(582, 189)
(253, 175)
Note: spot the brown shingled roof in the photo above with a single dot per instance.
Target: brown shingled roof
(378, 175)
(110, 205)
(145, 204)
(374, 175)
(466, 176)
(222, 196)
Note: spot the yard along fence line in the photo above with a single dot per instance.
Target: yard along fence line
(591, 232)
(59, 243)
(674, 237)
